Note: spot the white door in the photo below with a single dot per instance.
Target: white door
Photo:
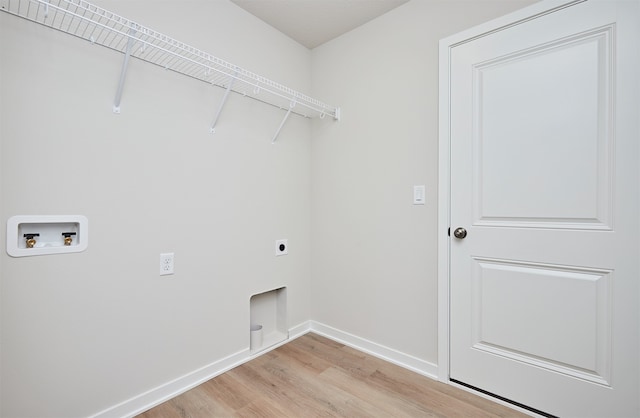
(544, 158)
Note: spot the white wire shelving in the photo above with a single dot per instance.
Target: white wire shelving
(102, 27)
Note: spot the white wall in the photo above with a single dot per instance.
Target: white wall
(374, 254)
(83, 332)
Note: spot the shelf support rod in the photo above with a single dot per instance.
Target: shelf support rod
(232, 79)
(291, 106)
(123, 71)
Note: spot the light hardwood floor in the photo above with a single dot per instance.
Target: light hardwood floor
(313, 376)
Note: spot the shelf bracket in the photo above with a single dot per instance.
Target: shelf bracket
(123, 71)
(291, 106)
(232, 79)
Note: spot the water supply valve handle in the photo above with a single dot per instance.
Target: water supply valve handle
(67, 237)
(31, 241)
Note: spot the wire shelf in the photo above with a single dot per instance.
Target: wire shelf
(102, 27)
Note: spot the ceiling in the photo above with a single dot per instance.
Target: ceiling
(314, 22)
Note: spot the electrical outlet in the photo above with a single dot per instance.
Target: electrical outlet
(282, 247)
(166, 264)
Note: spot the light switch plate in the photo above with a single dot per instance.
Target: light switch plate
(418, 195)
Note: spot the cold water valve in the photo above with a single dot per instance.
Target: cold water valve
(67, 237)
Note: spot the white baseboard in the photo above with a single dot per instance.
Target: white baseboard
(162, 393)
(299, 330)
(396, 357)
(156, 396)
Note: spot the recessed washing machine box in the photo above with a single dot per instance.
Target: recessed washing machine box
(29, 235)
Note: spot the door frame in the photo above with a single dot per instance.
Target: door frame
(444, 158)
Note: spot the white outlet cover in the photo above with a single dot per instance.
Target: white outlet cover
(166, 264)
(282, 247)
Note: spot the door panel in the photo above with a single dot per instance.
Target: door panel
(544, 176)
(527, 171)
(562, 314)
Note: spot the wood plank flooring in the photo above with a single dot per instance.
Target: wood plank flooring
(313, 376)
